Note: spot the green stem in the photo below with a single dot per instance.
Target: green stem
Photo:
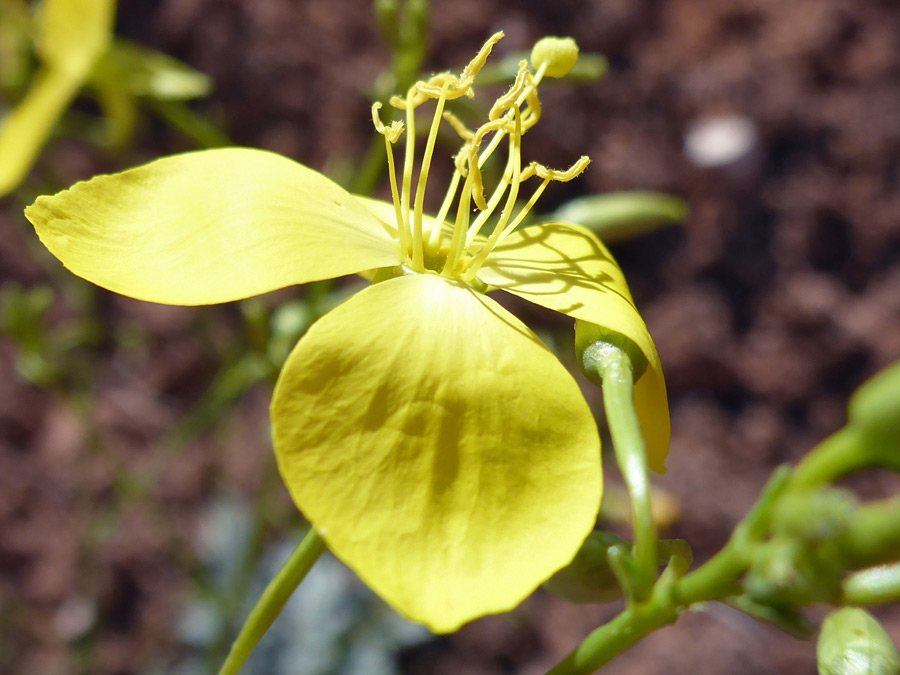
(717, 579)
(835, 457)
(196, 127)
(872, 536)
(614, 637)
(631, 454)
(273, 600)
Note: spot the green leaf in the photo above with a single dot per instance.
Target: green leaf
(622, 215)
(140, 71)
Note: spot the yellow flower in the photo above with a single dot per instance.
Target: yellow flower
(74, 40)
(436, 444)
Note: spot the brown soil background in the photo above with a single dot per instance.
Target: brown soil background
(777, 298)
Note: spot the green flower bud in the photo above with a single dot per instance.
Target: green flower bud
(560, 55)
(852, 642)
(588, 578)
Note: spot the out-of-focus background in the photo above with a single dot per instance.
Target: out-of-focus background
(140, 511)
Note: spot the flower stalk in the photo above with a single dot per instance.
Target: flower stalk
(273, 599)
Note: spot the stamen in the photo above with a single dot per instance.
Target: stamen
(562, 176)
(509, 99)
(418, 250)
(460, 226)
(515, 153)
(470, 72)
(435, 238)
(533, 113)
(408, 167)
(475, 162)
(541, 171)
(464, 132)
(497, 195)
(391, 135)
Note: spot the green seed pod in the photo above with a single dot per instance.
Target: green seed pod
(852, 642)
(875, 407)
(589, 343)
(560, 55)
(588, 578)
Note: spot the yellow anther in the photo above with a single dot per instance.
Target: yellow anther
(461, 159)
(397, 102)
(561, 176)
(462, 85)
(376, 118)
(433, 87)
(528, 172)
(557, 55)
(472, 157)
(464, 132)
(392, 132)
(509, 99)
(471, 71)
(475, 177)
(533, 113)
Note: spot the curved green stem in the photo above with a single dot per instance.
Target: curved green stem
(719, 578)
(273, 600)
(615, 370)
(838, 455)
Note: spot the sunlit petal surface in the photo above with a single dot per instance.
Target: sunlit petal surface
(567, 269)
(210, 226)
(440, 449)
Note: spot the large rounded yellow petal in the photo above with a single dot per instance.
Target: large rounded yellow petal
(440, 449)
(566, 268)
(210, 226)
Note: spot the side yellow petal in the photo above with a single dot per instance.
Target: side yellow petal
(210, 226)
(566, 268)
(24, 131)
(439, 448)
(73, 33)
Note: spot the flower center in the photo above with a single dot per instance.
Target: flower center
(458, 250)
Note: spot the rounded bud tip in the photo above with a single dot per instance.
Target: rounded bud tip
(560, 55)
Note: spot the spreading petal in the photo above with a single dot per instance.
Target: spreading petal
(441, 450)
(210, 226)
(566, 268)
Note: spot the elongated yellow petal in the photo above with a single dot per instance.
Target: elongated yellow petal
(441, 450)
(25, 130)
(566, 268)
(210, 226)
(73, 33)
